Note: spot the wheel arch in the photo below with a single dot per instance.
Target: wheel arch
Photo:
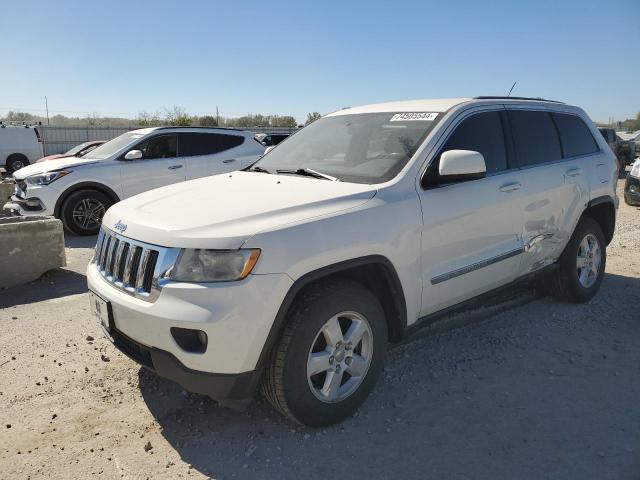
(375, 272)
(84, 186)
(16, 155)
(602, 210)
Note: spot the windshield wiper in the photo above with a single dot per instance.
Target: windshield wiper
(258, 169)
(307, 172)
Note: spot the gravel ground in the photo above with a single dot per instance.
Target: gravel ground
(536, 389)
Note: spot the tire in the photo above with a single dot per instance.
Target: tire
(568, 283)
(75, 204)
(286, 383)
(15, 162)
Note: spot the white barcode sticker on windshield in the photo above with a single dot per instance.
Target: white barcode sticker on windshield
(417, 116)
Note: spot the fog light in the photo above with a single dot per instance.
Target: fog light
(193, 341)
(33, 204)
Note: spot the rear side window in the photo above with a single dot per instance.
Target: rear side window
(575, 135)
(482, 132)
(535, 137)
(192, 144)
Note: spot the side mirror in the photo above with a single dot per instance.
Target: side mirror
(133, 155)
(458, 165)
(268, 149)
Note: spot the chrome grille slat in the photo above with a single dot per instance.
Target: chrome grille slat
(131, 266)
(142, 268)
(105, 250)
(113, 251)
(122, 259)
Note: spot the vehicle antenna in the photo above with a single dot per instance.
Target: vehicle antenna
(511, 89)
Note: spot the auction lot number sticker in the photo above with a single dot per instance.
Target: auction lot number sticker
(413, 117)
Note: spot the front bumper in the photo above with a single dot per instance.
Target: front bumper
(228, 389)
(632, 190)
(37, 200)
(236, 316)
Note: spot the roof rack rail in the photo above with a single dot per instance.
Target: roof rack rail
(10, 123)
(200, 127)
(504, 97)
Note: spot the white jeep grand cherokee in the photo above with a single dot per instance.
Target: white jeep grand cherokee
(80, 190)
(295, 274)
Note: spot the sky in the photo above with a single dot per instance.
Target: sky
(118, 58)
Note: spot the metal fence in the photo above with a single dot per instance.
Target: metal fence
(59, 139)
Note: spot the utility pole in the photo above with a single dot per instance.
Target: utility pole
(46, 106)
(217, 117)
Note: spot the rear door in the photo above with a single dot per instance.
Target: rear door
(159, 165)
(211, 153)
(471, 231)
(554, 188)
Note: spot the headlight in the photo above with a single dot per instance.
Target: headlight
(635, 170)
(213, 265)
(46, 178)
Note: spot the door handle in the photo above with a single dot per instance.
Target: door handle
(510, 187)
(174, 167)
(573, 172)
(229, 160)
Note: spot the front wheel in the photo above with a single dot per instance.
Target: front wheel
(82, 212)
(581, 266)
(330, 354)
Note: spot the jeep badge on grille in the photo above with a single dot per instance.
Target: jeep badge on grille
(121, 227)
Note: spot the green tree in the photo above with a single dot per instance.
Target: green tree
(312, 117)
(177, 116)
(208, 121)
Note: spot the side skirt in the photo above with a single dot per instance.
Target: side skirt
(494, 298)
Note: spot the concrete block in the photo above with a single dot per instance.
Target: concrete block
(29, 247)
(6, 190)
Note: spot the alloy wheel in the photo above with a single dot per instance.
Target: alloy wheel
(589, 260)
(88, 213)
(340, 357)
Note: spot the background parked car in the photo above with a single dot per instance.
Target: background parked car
(77, 151)
(80, 190)
(625, 150)
(632, 185)
(19, 146)
(271, 139)
(632, 137)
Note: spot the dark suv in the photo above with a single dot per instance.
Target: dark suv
(625, 150)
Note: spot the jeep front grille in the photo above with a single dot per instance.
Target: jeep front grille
(134, 267)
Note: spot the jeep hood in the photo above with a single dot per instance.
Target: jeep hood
(50, 165)
(223, 211)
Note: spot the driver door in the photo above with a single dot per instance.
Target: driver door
(471, 233)
(159, 165)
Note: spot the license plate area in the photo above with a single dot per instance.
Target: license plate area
(102, 309)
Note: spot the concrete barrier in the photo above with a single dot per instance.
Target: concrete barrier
(29, 247)
(6, 190)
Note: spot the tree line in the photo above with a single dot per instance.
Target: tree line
(175, 116)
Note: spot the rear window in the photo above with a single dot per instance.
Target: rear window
(575, 135)
(192, 144)
(535, 137)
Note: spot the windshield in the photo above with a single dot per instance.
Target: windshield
(363, 148)
(75, 149)
(112, 146)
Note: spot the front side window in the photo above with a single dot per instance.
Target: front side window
(483, 133)
(362, 148)
(535, 137)
(192, 144)
(575, 135)
(161, 146)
